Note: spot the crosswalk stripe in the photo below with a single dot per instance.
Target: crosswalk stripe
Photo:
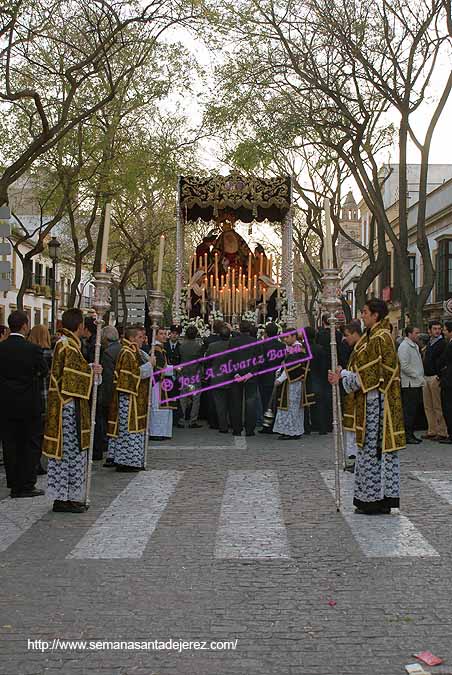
(439, 481)
(18, 515)
(391, 536)
(124, 528)
(192, 447)
(251, 519)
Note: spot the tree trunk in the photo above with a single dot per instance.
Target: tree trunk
(27, 265)
(75, 283)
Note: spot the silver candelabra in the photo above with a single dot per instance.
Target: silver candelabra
(102, 284)
(331, 302)
(156, 303)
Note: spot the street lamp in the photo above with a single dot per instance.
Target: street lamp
(54, 253)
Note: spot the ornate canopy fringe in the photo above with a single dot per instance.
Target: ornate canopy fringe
(249, 197)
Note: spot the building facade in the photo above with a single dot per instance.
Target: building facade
(24, 202)
(439, 233)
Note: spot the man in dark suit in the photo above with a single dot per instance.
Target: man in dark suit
(244, 389)
(273, 351)
(445, 364)
(21, 365)
(172, 350)
(208, 402)
(221, 395)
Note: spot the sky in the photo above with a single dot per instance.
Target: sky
(441, 150)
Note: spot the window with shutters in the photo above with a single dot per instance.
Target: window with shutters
(444, 270)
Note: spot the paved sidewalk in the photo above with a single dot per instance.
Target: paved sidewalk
(231, 540)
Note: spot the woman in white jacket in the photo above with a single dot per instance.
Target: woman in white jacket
(412, 380)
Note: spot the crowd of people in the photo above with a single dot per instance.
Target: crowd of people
(232, 379)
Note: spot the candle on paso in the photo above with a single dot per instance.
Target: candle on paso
(261, 264)
(250, 270)
(160, 266)
(255, 286)
(105, 238)
(233, 297)
(192, 265)
(270, 264)
(216, 268)
(206, 263)
(328, 235)
(211, 281)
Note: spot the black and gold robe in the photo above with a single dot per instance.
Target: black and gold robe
(71, 378)
(127, 380)
(160, 377)
(297, 372)
(376, 364)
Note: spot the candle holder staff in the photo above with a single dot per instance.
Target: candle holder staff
(102, 284)
(331, 302)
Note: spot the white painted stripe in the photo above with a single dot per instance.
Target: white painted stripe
(251, 520)
(192, 447)
(124, 528)
(386, 536)
(18, 515)
(240, 442)
(439, 481)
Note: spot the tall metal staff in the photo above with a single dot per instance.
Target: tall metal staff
(156, 300)
(331, 302)
(101, 305)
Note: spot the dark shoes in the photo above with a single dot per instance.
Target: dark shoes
(156, 438)
(265, 430)
(68, 507)
(109, 464)
(27, 493)
(122, 468)
(446, 441)
(195, 425)
(223, 431)
(381, 512)
(412, 440)
(250, 433)
(285, 437)
(41, 471)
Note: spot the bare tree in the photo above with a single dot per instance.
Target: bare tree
(338, 68)
(56, 58)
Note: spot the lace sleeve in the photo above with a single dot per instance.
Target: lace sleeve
(350, 381)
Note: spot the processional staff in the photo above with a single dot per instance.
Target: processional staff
(101, 305)
(330, 281)
(155, 301)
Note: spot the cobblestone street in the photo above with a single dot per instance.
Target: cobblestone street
(222, 540)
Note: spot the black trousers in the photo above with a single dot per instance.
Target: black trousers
(100, 433)
(446, 403)
(241, 391)
(221, 400)
(21, 451)
(316, 417)
(411, 401)
(266, 391)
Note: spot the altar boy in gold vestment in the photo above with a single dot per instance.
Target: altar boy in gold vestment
(127, 417)
(67, 430)
(374, 378)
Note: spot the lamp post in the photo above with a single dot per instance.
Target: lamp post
(54, 253)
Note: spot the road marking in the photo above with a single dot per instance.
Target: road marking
(439, 481)
(192, 447)
(240, 442)
(251, 519)
(391, 536)
(124, 528)
(18, 515)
